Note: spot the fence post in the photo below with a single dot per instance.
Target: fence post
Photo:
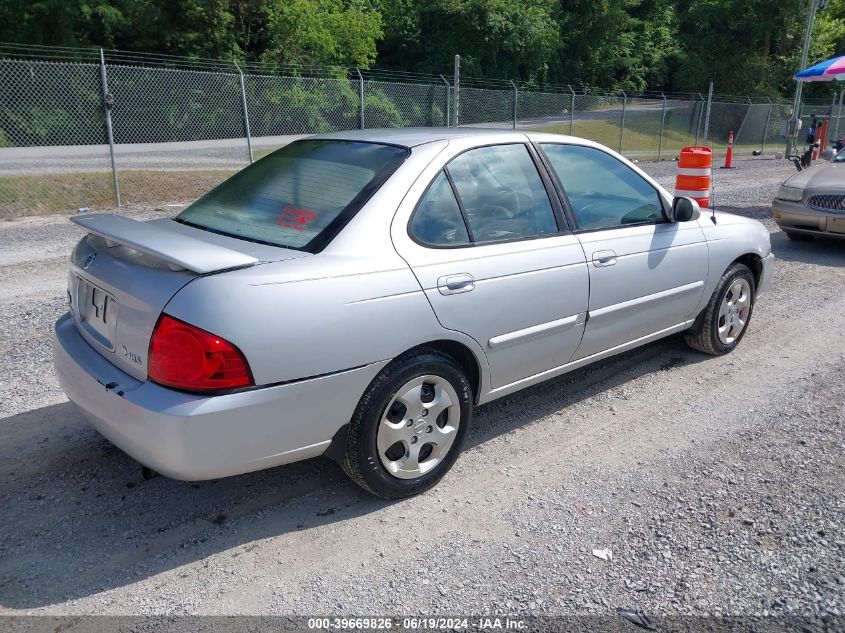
(456, 102)
(448, 90)
(108, 104)
(744, 119)
(247, 131)
(662, 127)
(838, 116)
(700, 117)
(515, 101)
(360, 97)
(707, 116)
(572, 112)
(766, 126)
(622, 127)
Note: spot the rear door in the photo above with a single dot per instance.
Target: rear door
(494, 259)
(647, 274)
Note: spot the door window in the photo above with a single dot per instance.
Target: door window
(603, 191)
(502, 193)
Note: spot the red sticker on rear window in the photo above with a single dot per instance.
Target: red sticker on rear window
(296, 219)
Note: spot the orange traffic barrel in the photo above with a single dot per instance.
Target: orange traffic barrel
(695, 166)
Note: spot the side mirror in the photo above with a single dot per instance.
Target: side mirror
(684, 210)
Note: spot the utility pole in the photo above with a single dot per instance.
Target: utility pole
(794, 120)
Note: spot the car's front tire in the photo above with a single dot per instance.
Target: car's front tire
(409, 426)
(723, 323)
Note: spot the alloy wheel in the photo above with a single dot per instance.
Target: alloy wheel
(734, 311)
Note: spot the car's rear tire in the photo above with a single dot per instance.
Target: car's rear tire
(798, 237)
(723, 323)
(409, 426)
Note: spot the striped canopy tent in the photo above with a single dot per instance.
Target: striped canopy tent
(829, 70)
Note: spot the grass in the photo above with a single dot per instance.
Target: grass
(65, 193)
(642, 136)
(261, 153)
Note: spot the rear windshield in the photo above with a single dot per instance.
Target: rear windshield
(299, 196)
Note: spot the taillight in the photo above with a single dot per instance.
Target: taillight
(185, 357)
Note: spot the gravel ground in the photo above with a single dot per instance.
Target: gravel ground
(716, 482)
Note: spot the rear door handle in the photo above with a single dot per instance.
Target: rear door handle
(456, 284)
(604, 258)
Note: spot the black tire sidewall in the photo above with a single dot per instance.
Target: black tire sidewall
(364, 457)
(739, 271)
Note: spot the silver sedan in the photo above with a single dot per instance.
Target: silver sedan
(356, 294)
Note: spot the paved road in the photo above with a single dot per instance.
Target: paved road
(210, 154)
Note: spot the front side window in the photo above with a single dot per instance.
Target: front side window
(297, 196)
(603, 192)
(502, 193)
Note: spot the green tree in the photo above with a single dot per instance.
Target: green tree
(512, 39)
(750, 46)
(325, 32)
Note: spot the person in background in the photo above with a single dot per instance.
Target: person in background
(811, 132)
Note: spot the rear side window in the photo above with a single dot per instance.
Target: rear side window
(438, 220)
(298, 196)
(604, 192)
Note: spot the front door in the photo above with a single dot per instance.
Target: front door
(647, 274)
(488, 251)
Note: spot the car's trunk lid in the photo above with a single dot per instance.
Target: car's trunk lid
(124, 272)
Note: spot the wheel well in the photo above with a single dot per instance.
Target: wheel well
(464, 357)
(755, 263)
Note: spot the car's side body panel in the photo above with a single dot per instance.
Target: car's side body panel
(656, 281)
(528, 304)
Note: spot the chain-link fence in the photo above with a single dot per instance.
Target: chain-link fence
(178, 127)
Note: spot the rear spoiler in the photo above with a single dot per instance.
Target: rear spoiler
(178, 250)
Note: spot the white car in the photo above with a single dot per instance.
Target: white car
(355, 294)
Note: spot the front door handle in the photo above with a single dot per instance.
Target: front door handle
(604, 258)
(456, 284)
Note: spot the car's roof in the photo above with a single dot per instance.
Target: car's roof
(413, 136)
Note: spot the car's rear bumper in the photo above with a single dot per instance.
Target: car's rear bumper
(193, 437)
(795, 217)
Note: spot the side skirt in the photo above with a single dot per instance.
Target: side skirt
(562, 369)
